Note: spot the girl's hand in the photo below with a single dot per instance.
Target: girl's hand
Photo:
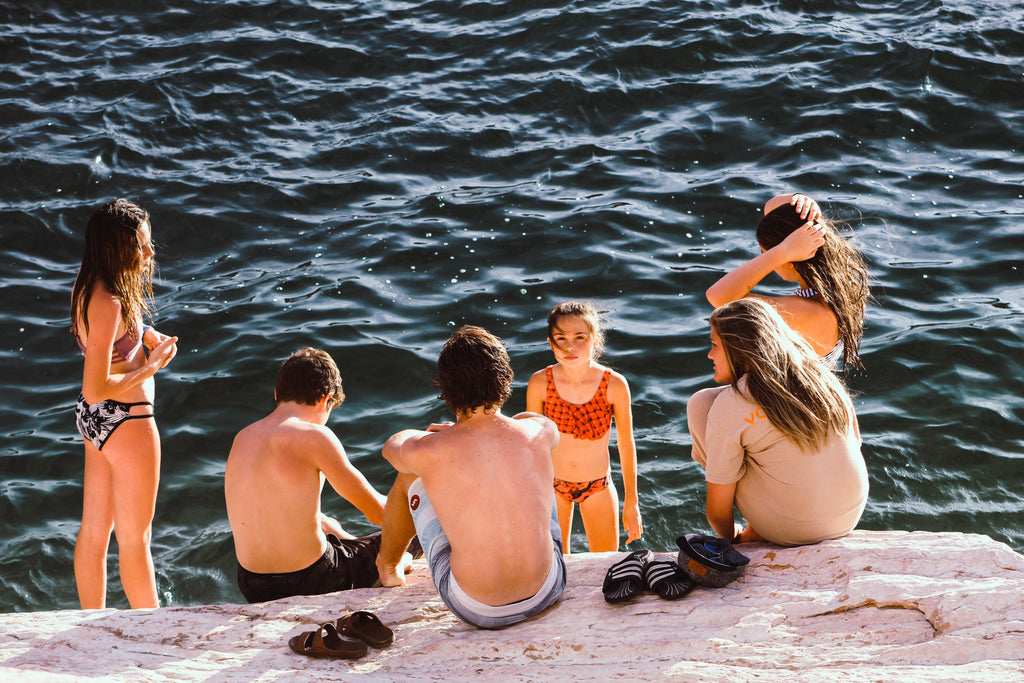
(162, 353)
(151, 338)
(806, 207)
(803, 243)
(631, 521)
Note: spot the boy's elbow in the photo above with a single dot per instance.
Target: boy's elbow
(375, 515)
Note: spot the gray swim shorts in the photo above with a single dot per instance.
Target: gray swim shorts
(438, 552)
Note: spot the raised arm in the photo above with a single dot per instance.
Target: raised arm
(806, 207)
(799, 245)
(738, 282)
(619, 396)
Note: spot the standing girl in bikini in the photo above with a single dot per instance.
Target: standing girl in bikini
(581, 397)
(115, 409)
(800, 246)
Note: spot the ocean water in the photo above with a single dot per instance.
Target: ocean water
(366, 176)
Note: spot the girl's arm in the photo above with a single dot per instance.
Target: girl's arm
(152, 338)
(719, 510)
(98, 384)
(799, 245)
(806, 207)
(619, 397)
(536, 389)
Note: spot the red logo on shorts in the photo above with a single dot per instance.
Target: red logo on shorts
(414, 502)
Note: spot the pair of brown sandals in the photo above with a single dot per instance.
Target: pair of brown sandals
(344, 638)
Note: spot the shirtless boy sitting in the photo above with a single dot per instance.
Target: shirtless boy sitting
(275, 472)
(477, 493)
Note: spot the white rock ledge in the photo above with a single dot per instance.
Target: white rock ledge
(874, 606)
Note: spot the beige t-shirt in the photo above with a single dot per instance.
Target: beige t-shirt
(788, 495)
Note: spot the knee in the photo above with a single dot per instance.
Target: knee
(133, 537)
(402, 483)
(90, 535)
(699, 405)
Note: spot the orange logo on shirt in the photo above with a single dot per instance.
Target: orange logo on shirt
(759, 413)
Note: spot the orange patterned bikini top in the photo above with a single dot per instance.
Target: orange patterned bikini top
(590, 420)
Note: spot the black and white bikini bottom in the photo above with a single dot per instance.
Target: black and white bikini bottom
(98, 421)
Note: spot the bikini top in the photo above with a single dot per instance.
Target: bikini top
(832, 357)
(590, 420)
(125, 348)
(806, 292)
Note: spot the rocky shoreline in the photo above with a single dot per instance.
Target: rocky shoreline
(874, 606)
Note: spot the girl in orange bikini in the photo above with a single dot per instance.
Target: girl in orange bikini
(581, 397)
(115, 409)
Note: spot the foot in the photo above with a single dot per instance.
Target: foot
(394, 575)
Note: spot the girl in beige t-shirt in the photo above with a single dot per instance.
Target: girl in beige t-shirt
(780, 442)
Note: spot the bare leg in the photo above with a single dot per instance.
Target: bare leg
(600, 514)
(564, 508)
(397, 530)
(133, 452)
(94, 535)
(697, 409)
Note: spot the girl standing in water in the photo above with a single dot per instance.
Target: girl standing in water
(581, 397)
(827, 308)
(115, 409)
(780, 442)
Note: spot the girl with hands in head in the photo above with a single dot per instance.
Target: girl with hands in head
(827, 309)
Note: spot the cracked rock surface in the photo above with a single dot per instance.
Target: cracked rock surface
(892, 606)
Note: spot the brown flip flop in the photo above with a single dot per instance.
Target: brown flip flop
(326, 642)
(367, 627)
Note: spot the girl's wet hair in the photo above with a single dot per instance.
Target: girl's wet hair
(836, 272)
(113, 256)
(585, 312)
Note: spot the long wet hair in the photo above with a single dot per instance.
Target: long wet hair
(800, 395)
(836, 272)
(113, 256)
(585, 312)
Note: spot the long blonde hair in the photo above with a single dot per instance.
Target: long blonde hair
(836, 272)
(113, 256)
(802, 398)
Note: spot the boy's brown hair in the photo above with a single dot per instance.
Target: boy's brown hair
(473, 371)
(307, 376)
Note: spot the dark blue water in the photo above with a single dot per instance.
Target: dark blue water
(365, 176)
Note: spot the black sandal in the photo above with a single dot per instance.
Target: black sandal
(667, 579)
(625, 578)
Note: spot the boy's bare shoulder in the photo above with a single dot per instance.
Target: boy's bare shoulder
(535, 425)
